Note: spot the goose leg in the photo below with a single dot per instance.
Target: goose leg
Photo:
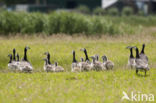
(145, 72)
(136, 71)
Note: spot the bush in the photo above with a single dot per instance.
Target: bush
(113, 12)
(32, 23)
(70, 23)
(83, 9)
(14, 22)
(127, 11)
(99, 11)
(10, 22)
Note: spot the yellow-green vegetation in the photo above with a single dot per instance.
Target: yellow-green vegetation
(67, 87)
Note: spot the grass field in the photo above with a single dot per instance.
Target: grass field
(87, 87)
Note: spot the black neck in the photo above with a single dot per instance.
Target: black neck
(87, 59)
(48, 57)
(55, 64)
(17, 57)
(74, 58)
(10, 59)
(131, 53)
(97, 58)
(25, 55)
(137, 53)
(82, 60)
(93, 60)
(14, 52)
(143, 47)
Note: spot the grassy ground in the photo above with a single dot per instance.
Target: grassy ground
(88, 87)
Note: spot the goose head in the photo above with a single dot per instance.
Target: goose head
(10, 56)
(104, 58)
(26, 48)
(14, 50)
(73, 51)
(85, 51)
(46, 53)
(131, 50)
(128, 47)
(25, 53)
(48, 57)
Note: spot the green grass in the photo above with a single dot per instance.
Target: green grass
(88, 87)
(67, 87)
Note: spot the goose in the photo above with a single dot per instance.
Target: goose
(58, 68)
(96, 57)
(48, 67)
(107, 63)
(25, 65)
(75, 65)
(95, 65)
(143, 55)
(13, 61)
(131, 60)
(140, 64)
(12, 65)
(48, 57)
(97, 61)
(84, 66)
(86, 55)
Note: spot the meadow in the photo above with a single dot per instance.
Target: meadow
(67, 87)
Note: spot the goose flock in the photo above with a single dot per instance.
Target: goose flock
(140, 62)
(92, 63)
(24, 65)
(48, 67)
